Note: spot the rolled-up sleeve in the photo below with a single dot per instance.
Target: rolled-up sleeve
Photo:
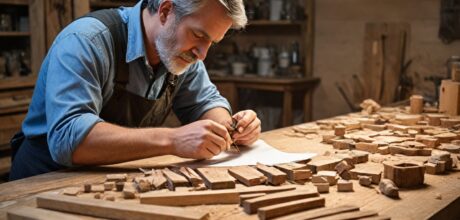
(73, 95)
(197, 95)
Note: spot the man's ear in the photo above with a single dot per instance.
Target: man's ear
(165, 9)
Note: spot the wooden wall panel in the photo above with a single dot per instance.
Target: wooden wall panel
(339, 44)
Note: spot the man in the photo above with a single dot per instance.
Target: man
(100, 96)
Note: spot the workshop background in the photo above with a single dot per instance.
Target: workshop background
(297, 61)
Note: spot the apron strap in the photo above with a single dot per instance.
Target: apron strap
(118, 29)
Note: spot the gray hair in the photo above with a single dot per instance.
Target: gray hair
(182, 8)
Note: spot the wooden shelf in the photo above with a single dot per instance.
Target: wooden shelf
(14, 110)
(14, 34)
(110, 4)
(14, 2)
(17, 82)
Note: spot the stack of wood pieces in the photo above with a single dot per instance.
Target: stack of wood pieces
(282, 203)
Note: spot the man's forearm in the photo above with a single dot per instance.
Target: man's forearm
(108, 144)
(219, 115)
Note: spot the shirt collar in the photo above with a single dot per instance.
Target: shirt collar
(133, 16)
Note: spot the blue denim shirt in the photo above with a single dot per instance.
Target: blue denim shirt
(76, 81)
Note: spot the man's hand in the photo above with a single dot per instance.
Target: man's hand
(247, 127)
(200, 140)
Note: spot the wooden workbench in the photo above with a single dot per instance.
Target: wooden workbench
(420, 203)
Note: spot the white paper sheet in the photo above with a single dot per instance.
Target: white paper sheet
(259, 152)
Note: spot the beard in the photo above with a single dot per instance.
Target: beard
(169, 53)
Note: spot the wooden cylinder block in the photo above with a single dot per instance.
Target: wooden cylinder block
(416, 104)
(404, 174)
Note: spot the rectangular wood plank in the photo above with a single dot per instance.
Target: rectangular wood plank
(112, 210)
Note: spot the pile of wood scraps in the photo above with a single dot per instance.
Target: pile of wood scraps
(408, 142)
(268, 191)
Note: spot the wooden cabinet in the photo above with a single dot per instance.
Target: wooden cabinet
(22, 49)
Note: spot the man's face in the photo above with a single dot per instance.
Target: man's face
(181, 44)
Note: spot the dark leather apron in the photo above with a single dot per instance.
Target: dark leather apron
(31, 156)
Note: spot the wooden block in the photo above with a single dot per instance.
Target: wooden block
(252, 205)
(318, 213)
(191, 176)
(107, 209)
(343, 144)
(109, 186)
(303, 174)
(435, 119)
(247, 175)
(404, 174)
(434, 168)
(369, 147)
(265, 189)
(319, 165)
(408, 119)
(274, 176)
(374, 127)
(339, 130)
(289, 169)
(446, 137)
(129, 191)
(395, 127)
(429, 141)
(110, 198)
(98, 196)
(207, 197)
(344, 186)
(383, 150)
(342, 166)
(331, 176)
(281, 209)
(322, 187)
(451, 148)
(388, 188)
(144, 184)
(174, 180)
(116, 177)
(346, 157)
(398, 149)
(97, 188)
(373, 173)
(159, 181)
(119, 186)
(26, 212)
(328, 138)
(216, 178)
(413, 144)
(351, 215)
(365, 180)
(87, 188)
(361, 156)
(449, 97)
(449, 122)
(416, 104)
(250, 196)
(71, 191)
(364, 121)
(351, 125)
